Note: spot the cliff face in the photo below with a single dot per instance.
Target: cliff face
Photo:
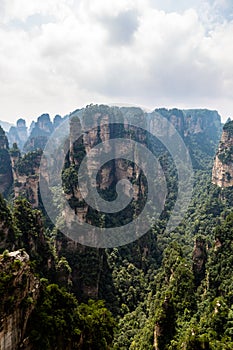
(7, 235)
(199, 128)
(40, 132)
(6, 177)
(194, 123)
(199, 260)
(26, 176)
(202, 121)
(18, 134)
(222, 173)
(109, 174)
(19, 292)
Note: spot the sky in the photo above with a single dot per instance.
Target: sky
(57, 56)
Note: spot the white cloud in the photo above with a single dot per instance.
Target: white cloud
(22, 9)
(57, 56)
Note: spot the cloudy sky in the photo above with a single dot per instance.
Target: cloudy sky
(56, 56)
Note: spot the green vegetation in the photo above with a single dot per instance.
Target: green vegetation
(28, 164)
(226, 156)
(229, 127)
(166, 291)
(59, 322)
(7, 230)
(15, 151)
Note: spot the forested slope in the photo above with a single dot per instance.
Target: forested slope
(166, 290)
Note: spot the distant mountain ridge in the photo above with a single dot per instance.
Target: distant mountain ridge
(6, 125)
(187, 122)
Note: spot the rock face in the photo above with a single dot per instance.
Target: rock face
(194, 126)
(7, 235)
(222, 173)
(6, 177)
(19, 291)
(97, 123)
(193, 121)
(199, 260)
(40, 133)
(109, 174)
(26, 175)
(18, 134)
(202, 121)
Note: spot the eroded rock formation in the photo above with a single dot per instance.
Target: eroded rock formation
(222, 174)
(6, 177)
(18, 134)
(19, 291)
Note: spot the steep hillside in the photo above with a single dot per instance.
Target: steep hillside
(168, 290)
(35, 314)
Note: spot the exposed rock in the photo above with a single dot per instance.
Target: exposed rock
(175, 116)
(43, 125)
(163, 329)
(6, 178)
(57, 120)
(7, 235)
(26, 172)
(202, 121)
(222, 173)
(193, 121)
(18, 134)
(20, 292)
(199, 260)
(80, 258)
(97, 122)
(40, 133)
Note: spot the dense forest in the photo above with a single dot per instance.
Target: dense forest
(163, 291)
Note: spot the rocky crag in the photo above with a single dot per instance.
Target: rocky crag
(26, 170)
(6, 178)
(19, 292)
(40, 132)
(193, 125)
(222, 174)
(18, 134)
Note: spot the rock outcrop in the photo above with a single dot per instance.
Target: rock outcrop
(26, 172)
(193, 121)
(19, 292)
(18, 134)
(39, 134)
(6, 178)
(27, 169)
(40, 131)
(199, 260)
(7, 234)
(98, 123)
(202, 121)
(222, 173)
